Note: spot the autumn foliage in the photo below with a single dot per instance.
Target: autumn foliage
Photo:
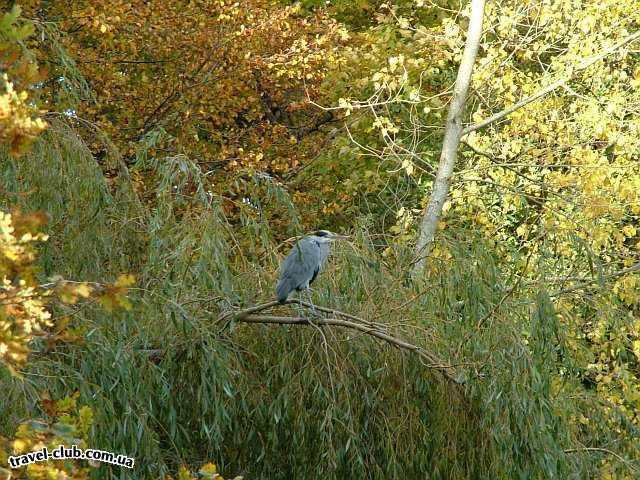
(204, 134)
(19, 121)
(227, 83)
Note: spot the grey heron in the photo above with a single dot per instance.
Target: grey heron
(304, 262)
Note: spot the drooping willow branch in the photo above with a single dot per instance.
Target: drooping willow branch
(251, 315)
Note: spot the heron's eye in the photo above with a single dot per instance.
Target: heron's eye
(321, 233)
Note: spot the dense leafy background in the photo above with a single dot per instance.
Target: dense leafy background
(180, 143)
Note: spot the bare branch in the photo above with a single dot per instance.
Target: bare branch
(433, 361)
(247, 311)
(633, 268)
(248, 315)
(603, 450)
(586, 283)
(452, 133)
(584, 64)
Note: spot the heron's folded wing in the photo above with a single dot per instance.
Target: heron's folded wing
(301, 263)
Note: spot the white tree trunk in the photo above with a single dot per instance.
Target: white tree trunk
(452, 133)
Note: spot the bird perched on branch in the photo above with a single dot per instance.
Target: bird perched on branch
(304, 262)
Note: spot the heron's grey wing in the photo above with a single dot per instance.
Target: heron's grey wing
(324, 249)
(302, 261)
(298, 267)
(323, 253)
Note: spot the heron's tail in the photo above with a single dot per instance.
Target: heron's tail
(283, 290)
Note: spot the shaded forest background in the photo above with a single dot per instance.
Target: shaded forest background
(160, 157)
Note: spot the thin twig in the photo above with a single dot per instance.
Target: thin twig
(603, 450)
(583, 65)
(509, 292)
(588, 283)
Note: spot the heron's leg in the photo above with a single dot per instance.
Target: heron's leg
(313, 307)
(299, 308)
(314, 314)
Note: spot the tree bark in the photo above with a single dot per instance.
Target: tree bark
(452, 134)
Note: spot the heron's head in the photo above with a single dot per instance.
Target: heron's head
(327, 236)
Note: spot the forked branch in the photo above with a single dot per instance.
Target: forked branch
(250, 315)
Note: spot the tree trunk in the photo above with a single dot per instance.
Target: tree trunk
(452, 133)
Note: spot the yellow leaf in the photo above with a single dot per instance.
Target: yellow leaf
(83, 290)
(629, 231)
(208, 469)
(19, 446)
(125, 280)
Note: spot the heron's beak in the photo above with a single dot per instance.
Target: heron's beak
(335, 236)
